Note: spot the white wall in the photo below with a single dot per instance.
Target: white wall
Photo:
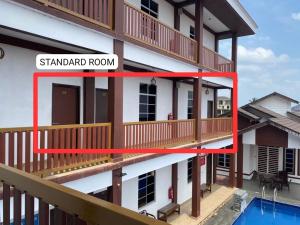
(144, 56)
(131, 92)
(12, 15)
(165, 11)
(276, 104)
(209, 40)
(293, 141)
(163, 182)
(183, 99)
(185, 24)
(185, 187)
(249, 137)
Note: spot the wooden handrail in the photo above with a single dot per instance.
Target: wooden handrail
(87, 208)
(144, 28)
(215, 61)
(157, 121)
(158, 21)
(54, 127)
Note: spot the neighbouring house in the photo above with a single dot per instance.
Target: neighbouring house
(269, 139)
(224, 105)
(114, 112)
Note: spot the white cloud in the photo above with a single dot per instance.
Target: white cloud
(260, 55)
(296, 16)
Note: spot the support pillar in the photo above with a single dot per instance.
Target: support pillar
(209, 168)
(88, 99)
(196, 172)
(175, 101)
(115, 103)
(215, 103)
(117, 186)
(216, 43)
(215, 161)
(176, 18)
(175, 181)
(231, 182)
(197, 107)
(240, 162)
(234, 46)
(199, 28)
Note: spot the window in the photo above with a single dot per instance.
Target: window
(189, 170)
(150, 7)
(146, 188)
(220, 102)
(147, 102)
(192, 32)
(289, 161)
(190, 105)
(224, 160)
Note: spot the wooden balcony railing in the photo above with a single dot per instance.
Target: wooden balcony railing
(149, 30)
(99, 12)
(159, 134)
(16, 147)
(215, 127)
(54, 204)
(213, 60)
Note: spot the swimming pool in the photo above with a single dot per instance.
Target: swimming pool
(264, 213)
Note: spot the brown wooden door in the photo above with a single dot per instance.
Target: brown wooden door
(65, 104)
(101, 105)
(210, 109)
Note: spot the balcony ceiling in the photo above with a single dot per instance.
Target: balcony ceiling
(216, 16)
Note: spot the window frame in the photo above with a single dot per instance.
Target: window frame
(147, 104)
(146, 177)
(190, 115)
(192, 32)
(293, 154)
(226, 161)
(147, 8)
(189, 170)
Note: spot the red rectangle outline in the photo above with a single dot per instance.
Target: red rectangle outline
(231, 75)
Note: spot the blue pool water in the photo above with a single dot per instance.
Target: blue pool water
(262, 213)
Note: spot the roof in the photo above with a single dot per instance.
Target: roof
(275, 94)
(248, 114)
(287, 124)
(263, 110)
(297, 114)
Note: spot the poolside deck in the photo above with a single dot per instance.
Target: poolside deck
(209, 205)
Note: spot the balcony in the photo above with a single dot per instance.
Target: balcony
(98, 12)
(214, 61)
(52, 203)
(142, 28)
(149, 30)
(16, 143)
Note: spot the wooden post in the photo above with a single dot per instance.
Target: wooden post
(234, 49)
(215, 103)
(197, 107)
(199, 28)
(175, 181)
(215, 161)
(240, 162)
(176, 18)
(115, 103)
(231, 182)
(196, 172)
(175, 100)
(117, 186)
(209, 165)
(88, 99)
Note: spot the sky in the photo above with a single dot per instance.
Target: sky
(270, 60)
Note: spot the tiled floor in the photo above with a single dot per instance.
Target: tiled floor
(216, 207)
(209, 204)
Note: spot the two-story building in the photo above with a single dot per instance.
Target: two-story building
(115, 112)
